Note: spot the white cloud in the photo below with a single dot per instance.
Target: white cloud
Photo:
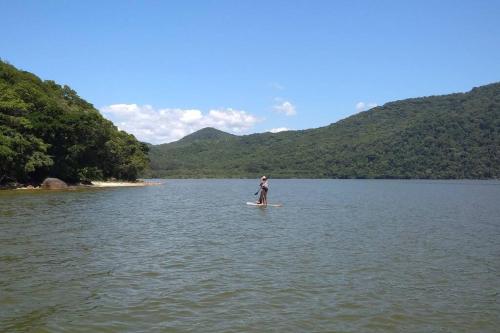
(284, 107)
(166, 125)
(362, 106)
(278, 129)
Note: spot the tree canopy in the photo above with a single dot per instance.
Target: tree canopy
(47, 130)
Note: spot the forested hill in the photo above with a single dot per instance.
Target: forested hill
(443, 137)
(48, 130)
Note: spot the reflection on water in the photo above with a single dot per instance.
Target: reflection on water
(353, 256)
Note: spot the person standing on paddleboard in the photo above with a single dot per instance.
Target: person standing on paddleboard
(264, 187)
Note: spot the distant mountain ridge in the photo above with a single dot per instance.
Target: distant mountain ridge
(435, 137)
(207, 133)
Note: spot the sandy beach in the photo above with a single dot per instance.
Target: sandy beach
(123, 184)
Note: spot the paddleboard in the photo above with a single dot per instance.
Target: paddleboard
(261, 205)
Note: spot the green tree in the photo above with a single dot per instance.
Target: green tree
(47, 129)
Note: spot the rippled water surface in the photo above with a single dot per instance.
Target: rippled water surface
(191, 256)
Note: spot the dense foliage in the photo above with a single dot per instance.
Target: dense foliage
(48, 130)
(451, 136)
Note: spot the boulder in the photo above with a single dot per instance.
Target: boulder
(53, 184)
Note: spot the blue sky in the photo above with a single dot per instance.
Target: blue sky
(162, 69)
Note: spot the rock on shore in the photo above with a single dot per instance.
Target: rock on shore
(54, 184)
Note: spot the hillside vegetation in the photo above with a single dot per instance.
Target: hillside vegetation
(442, 137)
(48, 130)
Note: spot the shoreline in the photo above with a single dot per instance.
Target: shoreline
(93, 184)
(139, 183)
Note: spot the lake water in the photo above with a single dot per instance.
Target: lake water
(191, 256)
